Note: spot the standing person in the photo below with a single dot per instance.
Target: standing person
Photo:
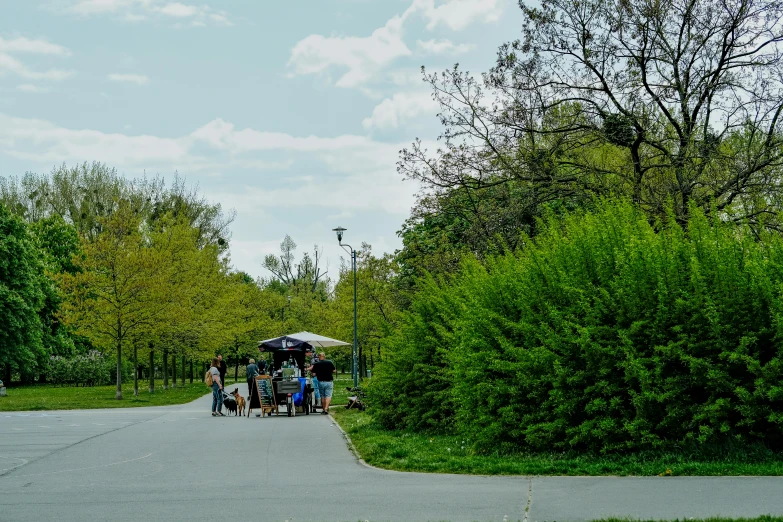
(324, 370)
(222, 369)
(252, 371)
(217, 386)
(317, 392)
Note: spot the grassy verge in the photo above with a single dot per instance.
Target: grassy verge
(44, 397)
(763, 518)
(340, 394)
(405, 451)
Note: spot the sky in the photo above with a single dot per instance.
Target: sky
(292, 113)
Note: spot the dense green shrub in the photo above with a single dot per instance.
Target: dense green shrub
(412, 390)
(90, 369)
(604, 334)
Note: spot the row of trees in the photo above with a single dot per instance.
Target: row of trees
(140, 271)
(124, 266)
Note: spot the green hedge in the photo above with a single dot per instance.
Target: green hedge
(605, 333)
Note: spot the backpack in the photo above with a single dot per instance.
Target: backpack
(208, 378)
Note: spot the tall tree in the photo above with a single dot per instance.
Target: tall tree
(58, 243)
(84, 194)
(124, 282)
(21, 296)
(307, 273)
(659, 101)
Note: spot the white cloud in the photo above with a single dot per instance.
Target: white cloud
(220, 18)
(443, 46)
(400, 108)
(222, 135)
(361, 56)
(459, 14)
(345, 173)
(26, 45)
(10, 64)
(364, 57)
(216, 145)
(138, 79)
(405, 77)
(28, 87)
(92, 7)
(138, 10)
(178, 10)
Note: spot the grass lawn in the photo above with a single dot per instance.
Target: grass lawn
(405, 451)
(46, 397)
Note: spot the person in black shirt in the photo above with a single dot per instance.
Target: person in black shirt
(222, 369)
(324, 370)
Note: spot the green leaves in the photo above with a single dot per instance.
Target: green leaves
(603, 334)
(21, 295)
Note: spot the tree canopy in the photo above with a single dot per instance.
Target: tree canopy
(656, 101)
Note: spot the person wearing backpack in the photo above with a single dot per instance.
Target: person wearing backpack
(213, 375)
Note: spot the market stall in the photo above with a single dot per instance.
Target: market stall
(291, 385)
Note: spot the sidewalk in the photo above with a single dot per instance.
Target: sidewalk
(179, 462)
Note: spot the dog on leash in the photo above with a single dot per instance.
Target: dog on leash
(240, 401)
(230, 404)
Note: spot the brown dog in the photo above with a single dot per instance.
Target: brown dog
(240, 401)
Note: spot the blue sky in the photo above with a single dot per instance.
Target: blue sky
(292, 113)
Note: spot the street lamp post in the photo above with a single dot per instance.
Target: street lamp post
(355, 369)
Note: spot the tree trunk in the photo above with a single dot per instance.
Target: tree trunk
(7, 375)
(118, 396)
(191, 370)
(135, 370)
(152, 369)
(183, 370)
(165, 368)
(236, 361)
(173, 370)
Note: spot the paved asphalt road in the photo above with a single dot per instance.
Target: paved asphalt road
(179, 463)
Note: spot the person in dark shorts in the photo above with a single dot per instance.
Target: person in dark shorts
(324, 370)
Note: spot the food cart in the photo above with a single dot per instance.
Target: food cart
(287, 369)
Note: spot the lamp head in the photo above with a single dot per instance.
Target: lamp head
(339, 231)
